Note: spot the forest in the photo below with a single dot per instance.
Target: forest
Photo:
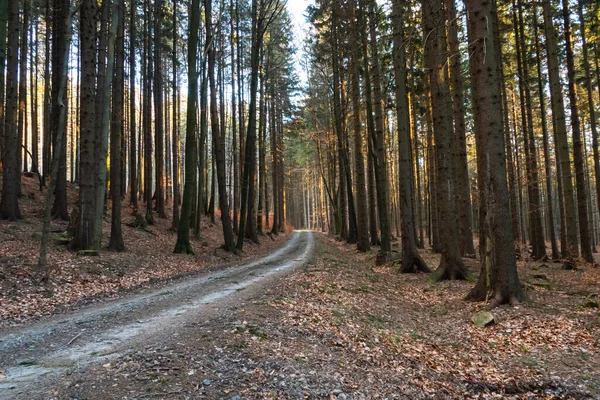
(426, 145)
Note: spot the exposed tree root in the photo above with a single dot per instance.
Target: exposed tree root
(413, 263)
(450, 270)
(183, 248)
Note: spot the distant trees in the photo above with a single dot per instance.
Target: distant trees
(481, 173)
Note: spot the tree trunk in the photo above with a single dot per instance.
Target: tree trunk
(538, 246)
(159, 136)
(175, 148)
(183, 230)
(499, 269)
(378, 137)
(118, 102)
(147, 115)
(247, 225)
(411, 260)
(61, 136)
(84, 234)
(560, 128)
(3, 31)
(584, 226)
(60, 20)
(362, 226)
(467, 247)
(218, 141)
(591, 104)
(451, 264)
(133, 182)
(548, 166)
(101, 173)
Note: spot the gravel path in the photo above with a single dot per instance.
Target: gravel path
(36, 355)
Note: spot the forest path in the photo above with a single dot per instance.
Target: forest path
(44, 351)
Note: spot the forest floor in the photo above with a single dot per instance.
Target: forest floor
(334, 326)
(74, 279)
(337, 327)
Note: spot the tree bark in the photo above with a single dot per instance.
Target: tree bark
(60, 20)
(411, 260)
(218, 140)
(591, 104)
(84, 234)
(451, 264)
(116, 242)
(560, 128)
(183, 230)
(548, 165)
(467, 247)
(159, 136)
(499, 268)
(538, 246)
(362, 226)
(584, 226)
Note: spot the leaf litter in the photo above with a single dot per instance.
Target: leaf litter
(340, 328)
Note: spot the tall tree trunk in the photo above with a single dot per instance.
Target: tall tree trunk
(591, 104)
(11, 169)
(218, 141)
(22, 115)
(372, 193)
(183, 230)
(133, 176)
(451, 264)
(560, 129)
(175, 148)
(434, 229)
(262, 170)
(547, 162)
(584, 225)
(84, 233)
(538, 246)
(101, 173)
(375, 134)
(234, 110)
(116, 132)
(147, 114)
(411, 260)
(378, 137)
(247, 226)
(61, 131)
(159, 136)
(467, 247)
(35, 151)
(47, 143)
(60, 20)
(3, 30)
(499, 268)
(362, 225)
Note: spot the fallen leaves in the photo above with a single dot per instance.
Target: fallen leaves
(149, 259)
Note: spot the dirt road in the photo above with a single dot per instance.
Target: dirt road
(34, 356)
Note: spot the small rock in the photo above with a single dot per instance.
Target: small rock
(483, 319)
(342, 396)
(206, 382)
(236, 398)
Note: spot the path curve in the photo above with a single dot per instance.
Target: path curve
(35, 353)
